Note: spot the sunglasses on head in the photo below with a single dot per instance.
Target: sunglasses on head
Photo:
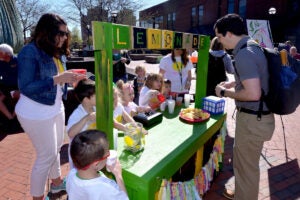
(62, 33)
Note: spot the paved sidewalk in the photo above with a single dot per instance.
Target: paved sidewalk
(279, 164)
(279, 161)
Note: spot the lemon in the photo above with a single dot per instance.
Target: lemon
(128, 141)
(92, 126)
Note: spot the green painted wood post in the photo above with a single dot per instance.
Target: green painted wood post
(102, 37)
(204, 43)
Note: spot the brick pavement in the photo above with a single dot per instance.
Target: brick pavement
(280, 161)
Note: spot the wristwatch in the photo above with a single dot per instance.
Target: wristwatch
(222, 93)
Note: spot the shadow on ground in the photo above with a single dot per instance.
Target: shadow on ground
(9, 127)
(284, 181)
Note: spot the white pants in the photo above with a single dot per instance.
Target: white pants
(47, 137)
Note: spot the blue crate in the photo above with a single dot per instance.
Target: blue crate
(213, 105)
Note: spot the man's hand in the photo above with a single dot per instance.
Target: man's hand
(218, 90)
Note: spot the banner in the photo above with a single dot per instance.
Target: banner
(260, 31)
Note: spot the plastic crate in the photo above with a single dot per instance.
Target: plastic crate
(213, 105)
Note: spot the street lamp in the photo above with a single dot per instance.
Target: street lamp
(114, 15)
(88, 34)
(272, 11)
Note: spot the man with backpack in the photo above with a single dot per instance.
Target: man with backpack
(254, 122)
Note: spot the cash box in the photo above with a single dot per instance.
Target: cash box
(148, 119)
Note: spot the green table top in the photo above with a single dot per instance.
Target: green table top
(168, 146)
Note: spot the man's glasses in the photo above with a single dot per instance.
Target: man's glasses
(62, 33)
(103, 158)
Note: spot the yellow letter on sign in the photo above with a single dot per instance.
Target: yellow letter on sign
(153, 38)
(167, 39)
(121, 37)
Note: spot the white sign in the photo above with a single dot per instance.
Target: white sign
(260, 31)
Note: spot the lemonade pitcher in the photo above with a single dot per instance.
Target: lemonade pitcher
(134, 137)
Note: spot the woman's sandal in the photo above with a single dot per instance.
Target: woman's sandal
(229, 194)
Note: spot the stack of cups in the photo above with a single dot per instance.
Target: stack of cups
(171, 105)
(187, 100)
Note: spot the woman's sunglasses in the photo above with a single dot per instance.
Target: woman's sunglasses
(62, 33)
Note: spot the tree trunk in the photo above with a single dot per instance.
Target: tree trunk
(10, 25)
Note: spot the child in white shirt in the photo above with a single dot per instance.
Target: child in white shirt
(120, 116)
(153, 87)
(126, 92)
(84, 116)
(89, 151)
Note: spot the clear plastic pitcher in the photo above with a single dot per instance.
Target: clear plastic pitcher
(134, 138)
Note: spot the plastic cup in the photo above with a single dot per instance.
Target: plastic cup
(163, 106)
(161, 98)
(187, 100)
(79, 71)
(112, 158)
(179, 101)
(171, 106)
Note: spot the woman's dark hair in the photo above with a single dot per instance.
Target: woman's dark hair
(216, 45)
(45, 33)
(85, 88)
(232, 23)
(87, 147)
(184, 56)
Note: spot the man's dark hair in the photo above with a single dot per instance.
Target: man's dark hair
(87, 147)
(85, 88)
(232, 23)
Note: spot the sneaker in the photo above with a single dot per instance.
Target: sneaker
(55, 189)
(229, 194)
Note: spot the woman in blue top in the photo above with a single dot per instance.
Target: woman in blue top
(43, 82)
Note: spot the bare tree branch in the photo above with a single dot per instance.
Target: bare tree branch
(29, 12)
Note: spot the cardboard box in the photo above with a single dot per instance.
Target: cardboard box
(213, 105)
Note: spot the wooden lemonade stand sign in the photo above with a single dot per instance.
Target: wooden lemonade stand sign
(167, 148)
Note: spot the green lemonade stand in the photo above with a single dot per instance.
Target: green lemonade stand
(172, 142)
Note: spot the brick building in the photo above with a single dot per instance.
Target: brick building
(198, 16)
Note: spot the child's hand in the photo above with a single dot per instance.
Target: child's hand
(92, 116)
(116, 169)
(144, 131)
(147, 109)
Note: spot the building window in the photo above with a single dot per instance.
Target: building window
(159, 22)
(201, 14)
(230, 6)
(169, 22)
(174, 18)
(146, 23)
(242, 8)
(194, 17)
